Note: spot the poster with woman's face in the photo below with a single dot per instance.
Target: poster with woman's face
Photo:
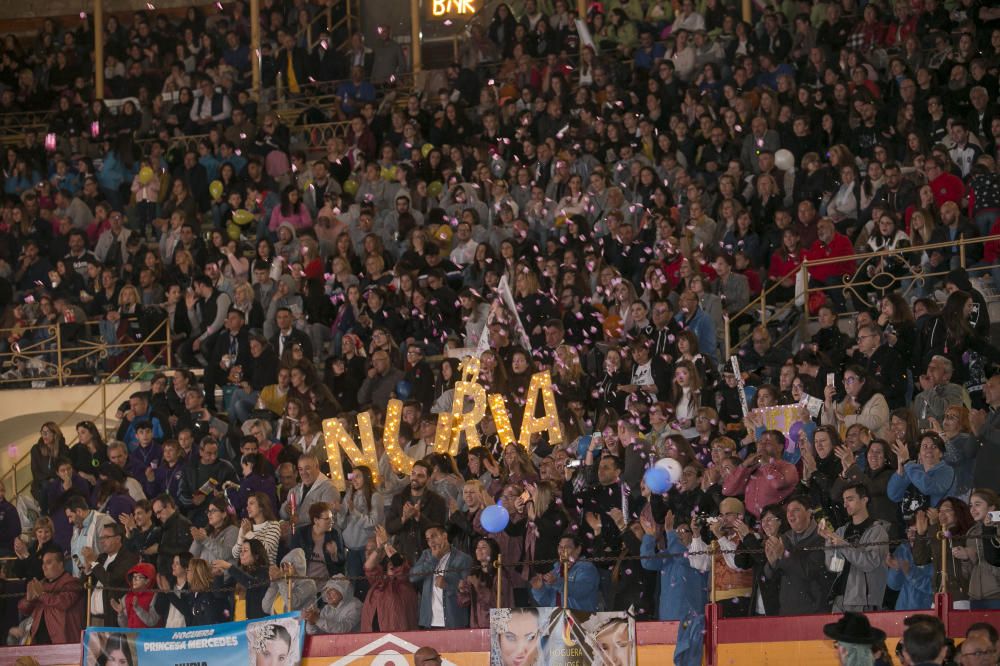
(274, 642)
(556, 637)
(116, 649)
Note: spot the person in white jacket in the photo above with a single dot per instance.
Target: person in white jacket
(341, 613)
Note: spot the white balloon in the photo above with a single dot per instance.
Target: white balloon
(672, 467)
(784, 160)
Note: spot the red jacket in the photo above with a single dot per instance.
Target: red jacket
(947, 187)
(781, 268)
(61, 605)
(840, 246)
(991, 249)
(392, 599)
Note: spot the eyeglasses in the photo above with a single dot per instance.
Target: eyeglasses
(851, 380)
(979, 653)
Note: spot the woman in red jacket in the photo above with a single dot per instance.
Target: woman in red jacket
(785, 263)
(391, 603)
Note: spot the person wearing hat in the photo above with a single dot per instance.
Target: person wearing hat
(853, 637)
(733, 586)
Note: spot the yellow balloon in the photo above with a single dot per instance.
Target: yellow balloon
(351, 186)
(146, 175)
(242, 217)
(215, 189)
(388, 173)
(443, 234)
(233, 231)
(434, 188)
(426, 149)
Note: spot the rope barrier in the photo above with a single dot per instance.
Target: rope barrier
(289, 578)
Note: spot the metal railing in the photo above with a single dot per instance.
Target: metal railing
(157, 343)
(765, 306)
(324, 21)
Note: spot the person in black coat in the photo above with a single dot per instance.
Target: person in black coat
(799, 562)
(288, 335)
(114, 575)
(231, 349)
(766, 581)
(419, 375)
(175, 533)
(201, 604)
(882, 362)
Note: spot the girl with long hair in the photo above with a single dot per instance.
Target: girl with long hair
(362, 509)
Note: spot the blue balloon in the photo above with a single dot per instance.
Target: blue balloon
(749, 392)
(494, 518)
(657, 480)
(404, 389)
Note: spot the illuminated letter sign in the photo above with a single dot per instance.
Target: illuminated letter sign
(443, 8)
(450, 426)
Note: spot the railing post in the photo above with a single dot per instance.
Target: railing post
(804, 273)
(104, 409)
(961, 252)
(565, 573)
(59, 360)
(90, 591)
(727, 338)
(499, 580)
(763, 307)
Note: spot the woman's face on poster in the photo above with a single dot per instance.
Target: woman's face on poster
(273, 653)
(519, 644)
(614, 645)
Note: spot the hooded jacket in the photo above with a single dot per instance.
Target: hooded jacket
(138, 610)
(342, 618)
(303, 590)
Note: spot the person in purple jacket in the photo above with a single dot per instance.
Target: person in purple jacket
(164, 476)
(66, 484)
(147, 453)
(110, 496)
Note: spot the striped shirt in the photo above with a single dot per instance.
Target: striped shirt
(268, 532)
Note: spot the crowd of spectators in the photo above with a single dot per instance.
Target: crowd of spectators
(602, 205)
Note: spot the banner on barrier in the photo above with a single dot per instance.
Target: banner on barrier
(273, 641)
(559, 637)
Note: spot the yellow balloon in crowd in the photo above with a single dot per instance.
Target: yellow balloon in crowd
(351, 186)
(233, 231)
(388, 173)
(443, 234)
(146, 175)
(434, 188)
(216, 189)
(242, 217)
(426, 149)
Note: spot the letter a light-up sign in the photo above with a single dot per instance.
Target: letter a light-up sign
(450, 426)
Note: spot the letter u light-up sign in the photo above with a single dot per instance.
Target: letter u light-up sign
(450, 426)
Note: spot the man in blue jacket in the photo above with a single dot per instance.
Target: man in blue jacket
(583, 591)
(439, 571)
